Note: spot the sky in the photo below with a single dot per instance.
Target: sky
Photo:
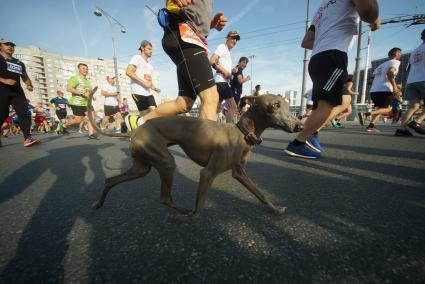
(271, 30)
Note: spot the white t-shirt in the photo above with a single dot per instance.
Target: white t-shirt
(380, 82)
(144, 71)
(335, 25)
(225, 60)
(110, 101)
(417, 65)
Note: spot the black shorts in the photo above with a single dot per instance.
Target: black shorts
(236, 95)
(381, 99)
(111, 110)
(61, 114)
(224, 91)
(144, 102)
(328, 71)
(194, 73)
(79, 110)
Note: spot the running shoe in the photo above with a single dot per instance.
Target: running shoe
(361, 118)
(313, 143)
(333, 122)
(93, 137)
(301, 151)
(372, 129)
(403, 132)
(417, 127)
(131, 121)
(31, 141)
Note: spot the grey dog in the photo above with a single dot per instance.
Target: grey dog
(217, 148)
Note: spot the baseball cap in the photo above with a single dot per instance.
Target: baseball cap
(233, 34)
(3, 40)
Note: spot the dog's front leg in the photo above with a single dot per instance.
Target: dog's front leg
(240, 175)
(205, 181)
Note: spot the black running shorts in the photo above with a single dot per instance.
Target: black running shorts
(79, 110)
(194, 73)
(111, 110)
(144, 102)
(61, 115)
(328, 71)
(224, 91)
(381, 99)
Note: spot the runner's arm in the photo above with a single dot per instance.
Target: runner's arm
(308, 40)
(369, 12)
(27, 81)
(131, 72)
(213, 61)
(391, 77)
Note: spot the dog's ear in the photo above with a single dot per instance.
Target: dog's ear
(271, 108)
(251, 100)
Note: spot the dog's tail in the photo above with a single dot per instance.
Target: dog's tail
(93, 123)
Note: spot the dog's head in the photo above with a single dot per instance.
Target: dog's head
(275, 112)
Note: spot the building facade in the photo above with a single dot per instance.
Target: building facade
(291, 95)
(50, 72)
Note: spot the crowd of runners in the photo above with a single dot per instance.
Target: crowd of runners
(218, 81)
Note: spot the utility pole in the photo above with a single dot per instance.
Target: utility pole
(353, 114)
(305, 67)
(251, 57)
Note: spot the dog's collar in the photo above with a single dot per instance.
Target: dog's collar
(250, 137)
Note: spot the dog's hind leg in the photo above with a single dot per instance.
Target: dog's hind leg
(166, 167)
(138, 170)
(238, 172)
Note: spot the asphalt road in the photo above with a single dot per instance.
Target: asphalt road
(356, 215)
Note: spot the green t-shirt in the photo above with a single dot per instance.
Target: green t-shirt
(80, 83)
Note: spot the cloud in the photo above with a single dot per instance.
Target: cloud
(77, 18)
(234, 19)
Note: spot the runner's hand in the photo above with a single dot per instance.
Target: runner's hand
(184, 3)
(218, 22)
(30, 87)
(375, 25)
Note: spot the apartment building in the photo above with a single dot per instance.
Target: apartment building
(51, 71)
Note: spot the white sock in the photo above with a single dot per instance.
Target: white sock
(140, 121)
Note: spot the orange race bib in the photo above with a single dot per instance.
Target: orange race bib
(188, 35)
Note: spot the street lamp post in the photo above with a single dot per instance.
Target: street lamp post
(99, 12)
(251, 57)
(305, 66)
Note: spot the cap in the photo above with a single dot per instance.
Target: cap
(233, 34)
(3, 40)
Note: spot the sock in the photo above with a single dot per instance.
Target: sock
(140, 121)
(296, 142)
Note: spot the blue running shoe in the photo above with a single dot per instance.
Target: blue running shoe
(313, 143)
(302, 151)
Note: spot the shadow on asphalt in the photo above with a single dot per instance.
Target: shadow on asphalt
(336, 229)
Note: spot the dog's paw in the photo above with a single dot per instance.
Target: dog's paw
(279, 210)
